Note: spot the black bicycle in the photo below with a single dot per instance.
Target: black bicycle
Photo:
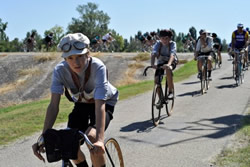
(160, 98)
(204, 73)
(215, 59)
(238, 66)
(113, 151)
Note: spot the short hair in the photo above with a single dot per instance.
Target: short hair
(166, 33)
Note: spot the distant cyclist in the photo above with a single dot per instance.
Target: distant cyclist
(49, 41)
(240, 40)
(218, 46)
(107, 39)
(165, 52)
(95, 42)
(204, 47)
(31, 42)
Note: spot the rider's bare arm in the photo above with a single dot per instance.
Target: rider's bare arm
(52, 111)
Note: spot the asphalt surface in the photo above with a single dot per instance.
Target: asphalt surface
(200, 127)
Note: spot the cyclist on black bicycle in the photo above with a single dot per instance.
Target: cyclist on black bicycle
(218, 46)
(49, 41)
(204, 47)
(240, 40)
(93, 96)
(165, 52)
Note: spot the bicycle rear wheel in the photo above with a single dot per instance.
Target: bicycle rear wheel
(156, 105)
(113, 154)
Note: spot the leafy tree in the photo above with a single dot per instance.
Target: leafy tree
(174, 34)
(193, 31)
(91, 22)
(3, 27)
(224, 45)
(118, 43)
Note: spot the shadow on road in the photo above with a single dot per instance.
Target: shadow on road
(144, 126)
(190, 83)
(226, 86)
(193, 93)
(225, 78)
(221, 127)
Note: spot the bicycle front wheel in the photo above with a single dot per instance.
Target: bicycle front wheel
(156, 105)
(113, 154)
(203, 81)
(169, 101)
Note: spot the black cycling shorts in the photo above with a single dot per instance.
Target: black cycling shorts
(217, 47)
(83, 116)
(161, 71)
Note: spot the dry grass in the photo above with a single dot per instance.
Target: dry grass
(136, 65)
(30, 71)
(24, 76)
(142, 57)
(183, 61)
(132, 68)
(46, 57)
(128, 78)
(96, 54)
(3, 55)
(13, 86)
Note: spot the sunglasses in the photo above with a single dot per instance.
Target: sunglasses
(77, 45)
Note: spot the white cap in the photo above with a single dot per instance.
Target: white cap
(71, 39)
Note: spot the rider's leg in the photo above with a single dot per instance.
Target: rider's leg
(81, 160)
(97, 159)
(220, 58)
(170, 80)
(199, 67)
(209, 66)
(245, 59)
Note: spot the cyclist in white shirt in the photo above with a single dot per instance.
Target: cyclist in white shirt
(204, 47)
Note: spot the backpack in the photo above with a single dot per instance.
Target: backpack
(61, 144)
(176, 59)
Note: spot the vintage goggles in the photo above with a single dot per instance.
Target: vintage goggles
(77, 45)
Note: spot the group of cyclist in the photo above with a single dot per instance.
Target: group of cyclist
(84, 80)
(30, 42)
(148, 40)
(99, 43)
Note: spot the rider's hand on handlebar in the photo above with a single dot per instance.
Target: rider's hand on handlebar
(37, 152)
(38, 148)
(98, 148)
(154, 66)
(167, 67)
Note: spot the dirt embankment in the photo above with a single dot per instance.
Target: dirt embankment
(27, 76)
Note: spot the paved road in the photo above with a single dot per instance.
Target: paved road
(200, 127)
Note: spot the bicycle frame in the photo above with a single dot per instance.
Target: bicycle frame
(108, 147)
(238, 66)
(159, 98)
(204, 77)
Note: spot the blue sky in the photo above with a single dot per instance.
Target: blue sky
(130, 16)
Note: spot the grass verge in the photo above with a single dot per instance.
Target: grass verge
(24, 119)
(239, 153)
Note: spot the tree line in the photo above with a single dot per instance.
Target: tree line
(91, 22)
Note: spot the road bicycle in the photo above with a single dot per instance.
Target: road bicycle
(160, 98)
(216, 59)
(204, 73)
(238, 66)
(113, 153)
